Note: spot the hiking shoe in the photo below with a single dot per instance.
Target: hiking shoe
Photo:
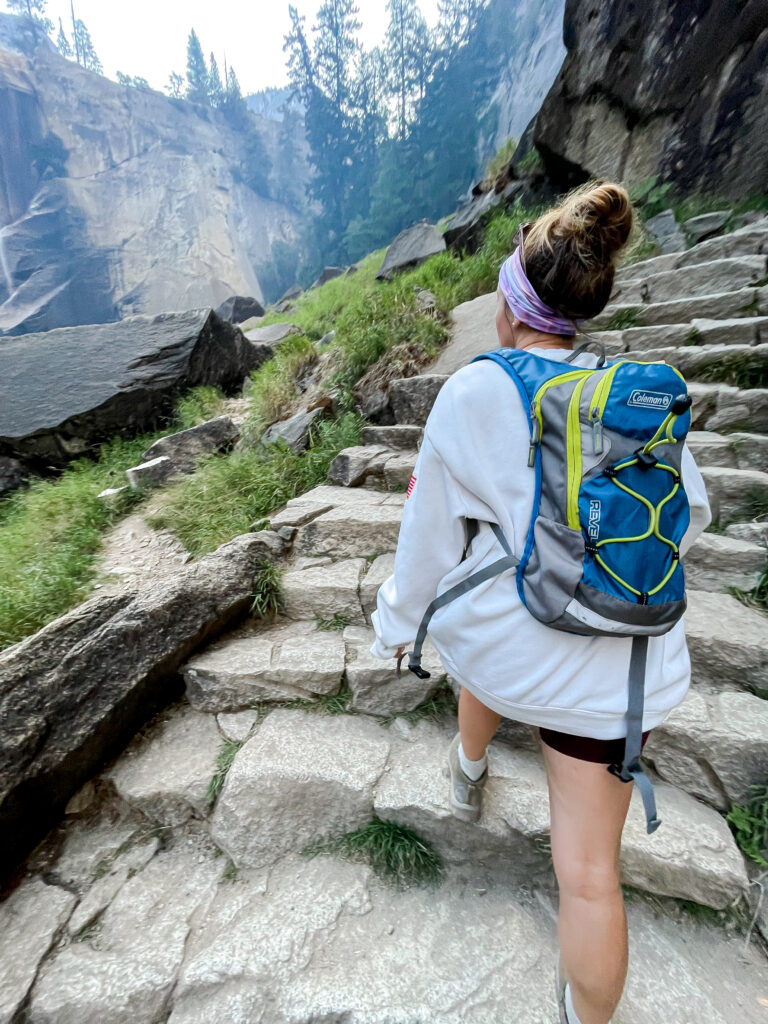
(465, 796)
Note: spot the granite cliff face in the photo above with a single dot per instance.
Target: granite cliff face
(531, 36)
(674, 88)
(116, 201)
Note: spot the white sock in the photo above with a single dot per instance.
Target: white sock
(474, 769)
(569, 1010)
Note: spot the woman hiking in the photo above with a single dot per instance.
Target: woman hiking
(473, 468)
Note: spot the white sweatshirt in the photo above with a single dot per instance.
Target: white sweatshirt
(473, 464)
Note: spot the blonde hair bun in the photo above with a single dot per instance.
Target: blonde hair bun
(570, 251)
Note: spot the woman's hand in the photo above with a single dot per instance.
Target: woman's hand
(400, 652)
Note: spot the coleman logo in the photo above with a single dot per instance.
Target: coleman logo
(650, 399)
(595, 508)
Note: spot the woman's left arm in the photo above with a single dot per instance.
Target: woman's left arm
(431, 542)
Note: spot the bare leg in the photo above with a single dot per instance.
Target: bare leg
(588, 808)
(477, 725)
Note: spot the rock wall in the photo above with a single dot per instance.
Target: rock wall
(532, 38)
(674, 88)
(117, 201)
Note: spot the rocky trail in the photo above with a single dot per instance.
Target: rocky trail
(162, 899)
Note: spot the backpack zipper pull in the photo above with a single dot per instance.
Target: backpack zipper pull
(535, 438)
(597, 431)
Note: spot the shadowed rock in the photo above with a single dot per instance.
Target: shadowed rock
(410, 248)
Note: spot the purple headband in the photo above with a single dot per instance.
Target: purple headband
(526, 304)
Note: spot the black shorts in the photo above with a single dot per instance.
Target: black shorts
(586, 749)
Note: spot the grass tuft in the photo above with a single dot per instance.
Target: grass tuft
(434, 709)
(395, 853)
(227, 754)
(197, 406)
(230, 492)
(337, 623)
(500, 159)
(267, 596)
(325, 704)
(749, 824)
(623, 319)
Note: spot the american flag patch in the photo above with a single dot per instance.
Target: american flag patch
(411, 485)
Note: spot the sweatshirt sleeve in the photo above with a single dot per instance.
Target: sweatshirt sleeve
(430, 544)
(701, 515)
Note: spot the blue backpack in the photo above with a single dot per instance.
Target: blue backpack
(602, 553)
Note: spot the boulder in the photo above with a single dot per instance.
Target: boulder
(399, 436)
(327, 274)
(272, 334)
(150, 474)
(755, 533)
(632, 103)
(326, 339)
(119, 378)
(412, 398)
(292, 293)
(12, 475)
(464, 230)
(55, 731)
(351, 466)
(663, 228)
(705, 225)
(239, 308)
(298, 779)
(411, 247)
(281, 662)
(185, 447)
(295, 431)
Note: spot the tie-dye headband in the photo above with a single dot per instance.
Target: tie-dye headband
(526, 304)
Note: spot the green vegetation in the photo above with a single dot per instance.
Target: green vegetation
(229, 493)
(326, 704)
(749, 824)
(267, 596)
(395, 853)
(693, 337)
(441, 703)
(337, 623)
(500, 159)
(740, 370)
(623, 319)
(227, 754)
(531, 163)
(50, 532)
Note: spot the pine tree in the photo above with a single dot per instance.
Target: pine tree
(34, 10)
(63, 44)
(197, 72)
(175, 86)
(84, 49)
(233, 106)
(215, 88)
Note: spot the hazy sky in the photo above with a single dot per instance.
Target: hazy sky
(149, 37)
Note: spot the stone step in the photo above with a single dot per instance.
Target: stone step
(727, 304)
(324, 939)
(376, 688)
(733, 451)
(746, 241)
(734, 331)
(259, 663)
(755, 533)
(728, 643)
(731, 364)
(717, 563)
(325, 590)
(736, 495)
(372, 465)
(293, 783)
(723, 407)
(359, 529)
(713, 746)
(400, 436)
(718, 275)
